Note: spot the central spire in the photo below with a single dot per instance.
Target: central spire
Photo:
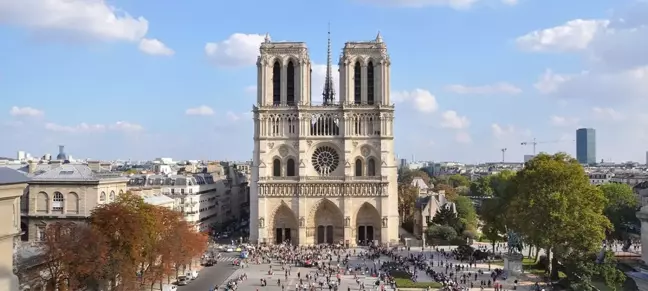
(329, 93)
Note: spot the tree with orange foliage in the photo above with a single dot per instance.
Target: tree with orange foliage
(126, 245)
(126, 226)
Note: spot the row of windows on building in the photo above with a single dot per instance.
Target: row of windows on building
(359, 168)
(291, 89)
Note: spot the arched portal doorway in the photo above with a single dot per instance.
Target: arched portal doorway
(327, 222)
(284, 226)
(367, 224)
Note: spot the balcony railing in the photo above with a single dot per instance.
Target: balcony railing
(324, 178)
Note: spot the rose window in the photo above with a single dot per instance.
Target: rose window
(325, 160)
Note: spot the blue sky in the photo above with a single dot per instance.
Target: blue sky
(144, 79)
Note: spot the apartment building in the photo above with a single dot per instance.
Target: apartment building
(195, 195)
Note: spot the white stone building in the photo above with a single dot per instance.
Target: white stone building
(323, 173)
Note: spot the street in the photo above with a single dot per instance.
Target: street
(214, 275)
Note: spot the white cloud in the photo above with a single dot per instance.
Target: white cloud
(455, 4)
(83, 127)
(549, 81)
(155, 47)
(231, 116)
(497, 88)
(508, 131)
(590, 85)
(422, 100)
(575, 35)
(239, 50)
(200, 110)
(450, 119)
(463, 137)
(607, 114)
(25, 111)
(510, 2)
(80, 18)
(614, 50)
(562, 121)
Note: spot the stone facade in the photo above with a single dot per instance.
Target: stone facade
(66, 193)
(11, 190)
(323, 173)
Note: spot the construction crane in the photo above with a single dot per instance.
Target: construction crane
(534, 143)
(503, 154)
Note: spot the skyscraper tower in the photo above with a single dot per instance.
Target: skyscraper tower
(586, 146)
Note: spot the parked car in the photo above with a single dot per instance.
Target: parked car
(182, 281)
(169, 287)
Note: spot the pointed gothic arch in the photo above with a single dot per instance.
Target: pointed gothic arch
(367, 224)
(276, 167)
(371, 167)
(358, 167)
(290, 167)
(290, 83)
(276, 83)
(325, 223)
(285, 226)
(370, 83)
(357, 83)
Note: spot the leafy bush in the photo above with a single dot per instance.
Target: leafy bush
(442, 232)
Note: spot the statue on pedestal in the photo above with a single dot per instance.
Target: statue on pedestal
(514, 243)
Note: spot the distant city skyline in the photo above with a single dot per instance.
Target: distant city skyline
(163, 80)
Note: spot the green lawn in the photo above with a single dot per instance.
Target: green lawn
(403, 281)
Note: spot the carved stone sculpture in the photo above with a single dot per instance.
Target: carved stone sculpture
(384, 222)
(261, 222)
(302, 222)
(347, 221)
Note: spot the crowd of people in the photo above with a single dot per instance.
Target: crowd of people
(326, 264)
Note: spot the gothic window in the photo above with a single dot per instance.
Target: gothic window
(371, 167)
(290, 80)
(102, 197)
(358, 167)
(112, 196)
(276, 168)
(57, 202)
(290, 168)
(357, 83)
(325, 160)
(276, 83)
(370, 83)
(291, 125)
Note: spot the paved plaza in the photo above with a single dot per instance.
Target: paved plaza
(257, 272)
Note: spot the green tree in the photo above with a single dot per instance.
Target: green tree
(458, 180)
(441, 232)
(581, 270)
(556, 208)
(446, 216)
(450, 193)
(481, 187)
(499, 183)
(493, 212)
(466, 214)
(620, 209)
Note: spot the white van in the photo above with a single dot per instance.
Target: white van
(169, 287)
(192, 275)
